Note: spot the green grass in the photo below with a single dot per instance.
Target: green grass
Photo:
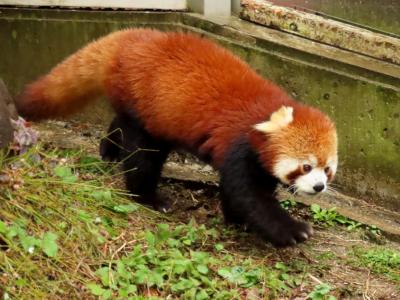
(67, 231)
(57, 218)
(181, 262)
(379, 260)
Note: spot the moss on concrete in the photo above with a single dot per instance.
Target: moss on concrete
(365, 104)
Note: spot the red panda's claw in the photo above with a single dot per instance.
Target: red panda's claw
(304, 235)
(294, 233)
(162, 203)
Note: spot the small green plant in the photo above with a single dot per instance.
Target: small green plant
(374, 230)
(288, 204)
(47, 243)
(324, 216)
(350, 224)
(330, 217)
(321, 292)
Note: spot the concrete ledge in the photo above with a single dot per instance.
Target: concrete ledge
(322, 30)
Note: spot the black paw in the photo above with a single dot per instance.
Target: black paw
(290, 233)
(157, 202)
(162, 203)
(232, 217)
(109, 151)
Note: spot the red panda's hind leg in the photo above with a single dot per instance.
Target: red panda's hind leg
(247, 195)
(142, 157)
(111, 144)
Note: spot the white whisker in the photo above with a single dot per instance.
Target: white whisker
(291, 188)
(330, 190)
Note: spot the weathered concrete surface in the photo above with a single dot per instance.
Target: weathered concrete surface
(6, 112)
(361, 94)
(382, 15)
(323, 30)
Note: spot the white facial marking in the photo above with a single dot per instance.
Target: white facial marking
(305, 183)
(284, 167)
(279, 119)
(332, 163)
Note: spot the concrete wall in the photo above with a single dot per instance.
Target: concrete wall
(210, 7)
(364, 103)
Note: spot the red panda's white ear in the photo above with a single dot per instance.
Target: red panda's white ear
(279, 119)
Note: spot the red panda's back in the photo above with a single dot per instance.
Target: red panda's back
(184, 88)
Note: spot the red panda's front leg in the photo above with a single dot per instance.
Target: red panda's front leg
(247, 194)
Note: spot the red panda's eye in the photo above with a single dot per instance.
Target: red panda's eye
(307, 168)
(327, 170)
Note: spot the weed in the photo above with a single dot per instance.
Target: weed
(330, 217)
(324, 216)
(17, 234)
(288, 204)
(321, 292)
(373, 229)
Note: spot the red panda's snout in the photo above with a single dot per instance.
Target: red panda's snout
(305, 176)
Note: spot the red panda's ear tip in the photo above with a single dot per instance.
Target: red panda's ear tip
(279, 119)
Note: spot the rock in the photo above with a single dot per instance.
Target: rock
(8, 100)
(7, 111)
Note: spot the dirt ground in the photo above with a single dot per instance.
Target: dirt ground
(331, 256)
(327, 253)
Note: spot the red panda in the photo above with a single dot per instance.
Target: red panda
(174, 90)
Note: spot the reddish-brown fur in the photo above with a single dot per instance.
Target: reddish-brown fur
(292, 176)
(184, 89)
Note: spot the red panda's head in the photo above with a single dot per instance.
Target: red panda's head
(300, 148)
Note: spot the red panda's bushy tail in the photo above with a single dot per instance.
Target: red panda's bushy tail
(73, 83)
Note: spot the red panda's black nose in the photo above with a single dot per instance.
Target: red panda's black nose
(319, 187)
